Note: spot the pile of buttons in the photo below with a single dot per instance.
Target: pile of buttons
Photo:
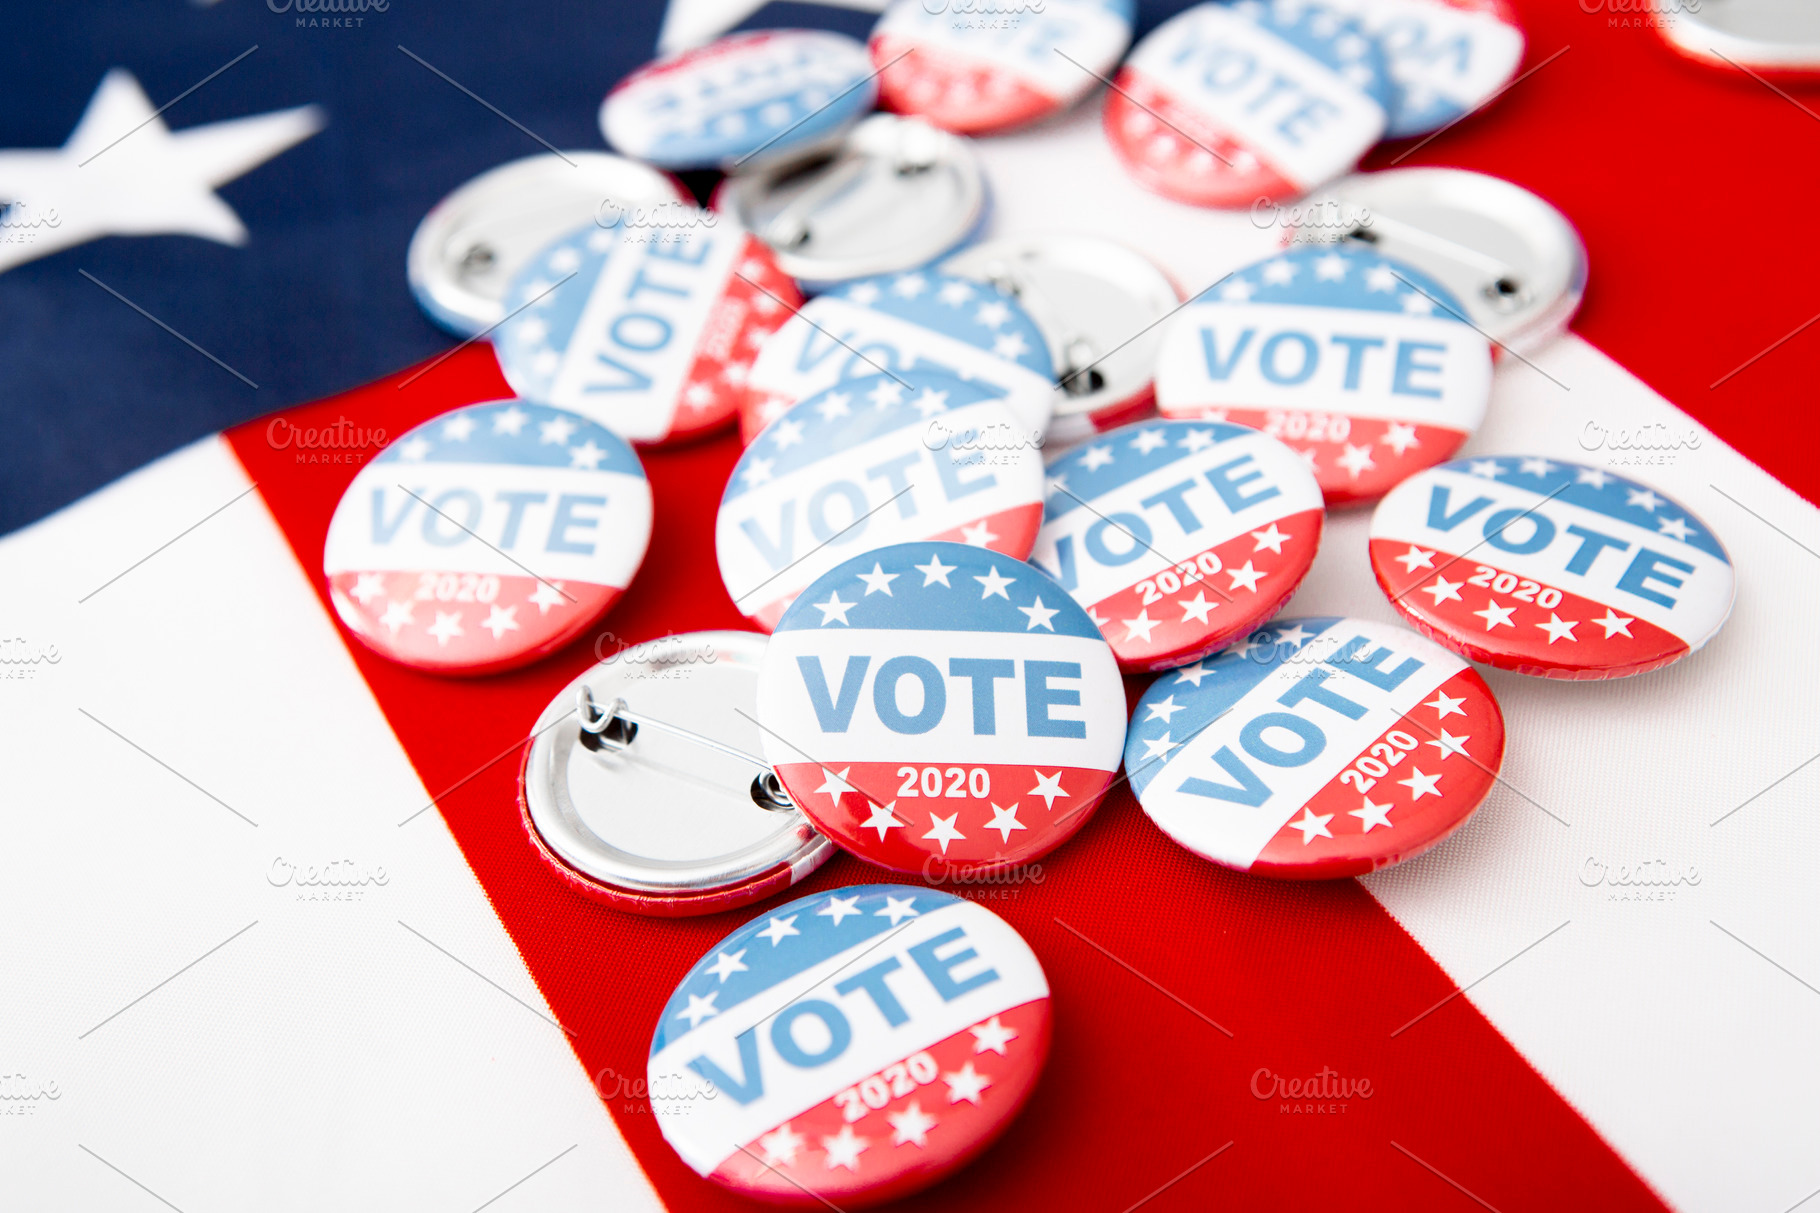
(989, 487)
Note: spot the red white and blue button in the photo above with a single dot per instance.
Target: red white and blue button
(1179, 536)
(1550, 568)
(1446, 57)
(850, 1047)
(919, 320)
(1366, 366)
(940, 709)
(650, 332)
(1317, 748)
(770, 92)
(1226, 104)
(875, 460)
(487, 537)
(973, 72)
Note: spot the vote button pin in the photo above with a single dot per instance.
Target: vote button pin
(851, 1047)
(938, 708)
(1179, 536)
(1550, 568)
(487, 537)
(1316, 748)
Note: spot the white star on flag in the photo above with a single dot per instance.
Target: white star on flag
(510, 420)
(1010, 346)
(1444, 589)
(413, 450)
(501, 620)
(1594, 477)
(1446, 705)
(834, 404)
(844, 1149)
(546, 596)
(896, 908)
(1004, 820)
(725, 966)
(909, 286)
(458, 429)
(1420, 785)
(1279, 273)
(863, 293)
(878, 581)
(941, 830)
(1417, 304)
(1496, 616)
(1158, 747)
(699, 1008)
(1141, 627)
(587, 455)
(834, 786)
(1415, 558)
(1238, 291)
(1270, 537)
(781, 1144)
(1245, 575)
(992, 314)
(1193, 673)
(965, 1083)
(1196, 609)
(1449, 745)
(1558, 628)
(1381, 278)
(1095, 457)
(556, 431)
(882, 819)
(1331, 268)
(1533, 465)
(910, 1126)
(1676, 527)
(1048, 787)
(446, 627)
(397, 614)
(978, 535)
(1196, 440)
(1039, 615)
(1616, 624)
(991, 1035)
(1057, 483)
(994, 584)
(368, 587)
(935, 571)
(1148, 441)
(833, 610)
(1297, 635)
(1312, 826)
(786, 434)
(838, 908)
(1370, 814)
(1485, 467)
(1644, 498)
(886, 394)
(1356, 459)
(1399, 437)
(931, 402)
(778, 929)
(954, 293)
(1164, 709)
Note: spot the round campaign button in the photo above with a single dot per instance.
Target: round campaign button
(1550, 568)
(1362, 364)
(487, 537)
(650, 332)
(1317, 748)
(1446, 57)
(642, 784)
(1226, 104)
(850, 1047)
(875, 460)
(1100, 305)
(769, 94)
(972, 73)
(895, 193)
(1179, 536)
(918, 320)
(1778, 38)
(1514, 263)
(939, 709)
(472, 244)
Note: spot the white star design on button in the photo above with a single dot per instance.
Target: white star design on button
(369, 587)
(700, 1008)
(1270, 537)
(1039, 615)
(838, 908)
(1279, 273)
(886, 395)
(834, 404)
(1533, 465)
(935, 571)
(1196, 440)
(458, 429)
(882, 819)
(123, 172)
(1370, 814)
(1444, 589)
(1055, 484)
(1615, 624)
(1193, 673)
(1011, 346)
(834, 786)
(1095, 457)
(1141, 627)
(412, 450)
(1381, 278)
(1446, 705)
(778, 929)
(965, 1083)
(896, 908)
(863, 293)
(501, 620)
(1675, 527)
(994, 584)
(697, 395)
(1417, 304)
(1148, 441)
(954, 293)
(1048, 787)
(556, 431)
(1449, 745)
(1644, 498)
(931, 402)
(1420, 785)
(992, 314)
(781, 1144)
(1415, 558)
(910, 1126)
(510, 420)
(786, 434)
(992, 1035)
(1558, 628)
(909, 286)
(725, 966)
(1313, 826)
(844, 1149)
(878, 581)
(1004, 820)
(1297, 636)
(565, 260)
(978, 535)
(397, 614)
(1245, 575)
(1496, 616)
(1592, 476)
(833, 610)
(587, 455)
(941, 830)
(546, 596)
(1158, 747)
(1310, 457)
(1099, 620)
(1164, 709)
(446, 627)
(1238, 291)
(1486, 467)
(1356, 459)
(1399, 437)
(1331, 268)
(1196, 609)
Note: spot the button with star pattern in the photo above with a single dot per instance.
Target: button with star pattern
(972, 74)
(918, 320)
(1550, 568)
(1316, 748)
(1446, 57)
(1179, 536)
(875, 460)
(937, 708)
(768, 94)
(649, 330)
(1263, 100)
(1365, 366)
(487, 537)
(850, 1047)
